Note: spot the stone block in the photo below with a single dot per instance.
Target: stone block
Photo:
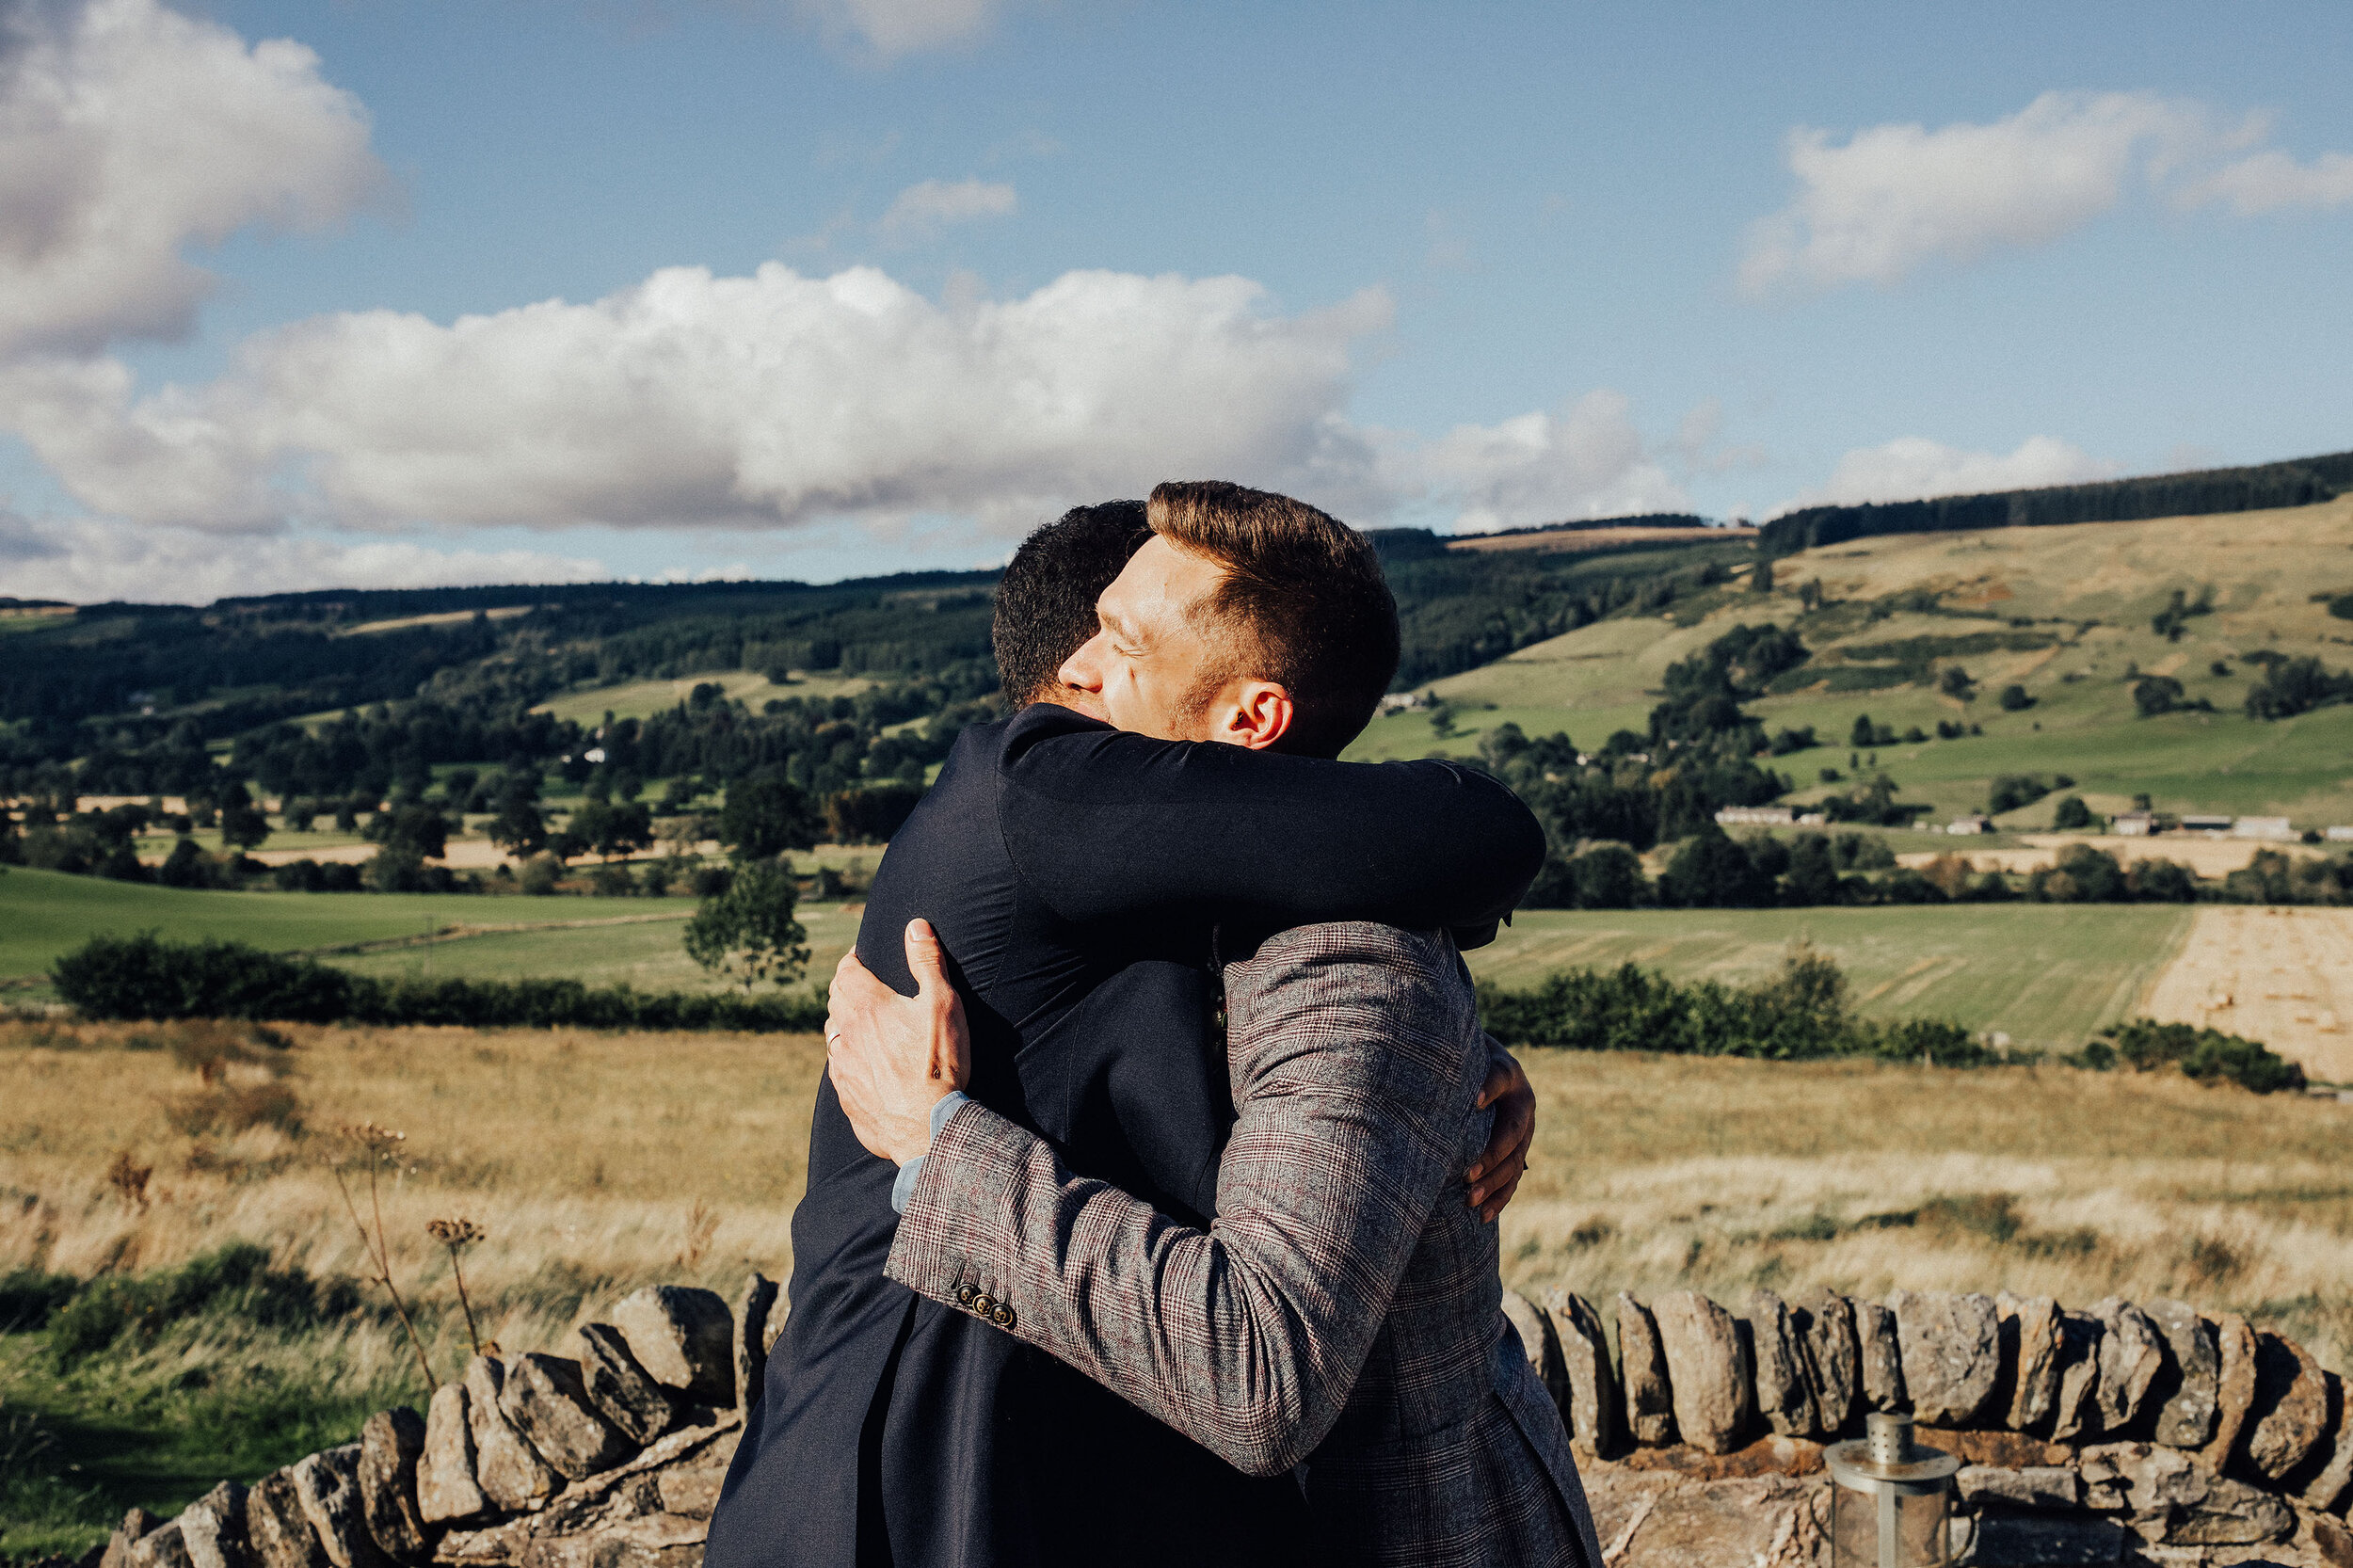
(135, 1523)
(1591, 1410)
(277, 1530)
(507, 1468)
(548, 1404)
(1952, 1353)
(212, 1529)
(2325, 1480)
(691, 1491)
(2076, 1410)
(1880, 1357)
(2231, 1514)
(390, 1444)
(1784, 1395)
(2045, 1486)
(2234, 1389)
(1642, 1369)
(753, 1306)
(2132, 1353)
(1533, 1325)
(1832, 1358)
(447, 1492)
(2185, 1393)
(623, 1392)
(684, 1338)
(2048, 1541)
(1713, 1401)
(328, 1485)
(161, 1547)
(2291, 1407)
(2030, 1359)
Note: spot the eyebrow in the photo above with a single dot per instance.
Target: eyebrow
(1117, 626)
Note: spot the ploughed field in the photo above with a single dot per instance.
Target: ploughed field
(601, 1162)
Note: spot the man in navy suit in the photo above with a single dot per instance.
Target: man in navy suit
(1076, 875)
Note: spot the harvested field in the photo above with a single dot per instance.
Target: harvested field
(2209, 858)
(1597, 539)
(2282, 976)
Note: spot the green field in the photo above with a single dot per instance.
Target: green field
(602, 941)
(2090, 591)
(2045, 974)
(641, 699)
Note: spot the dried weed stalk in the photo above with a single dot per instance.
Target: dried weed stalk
(377, 1147)
(129, 1179)
(702, 1225)
(457, 1235)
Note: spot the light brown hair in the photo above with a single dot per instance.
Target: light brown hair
(1302, 605)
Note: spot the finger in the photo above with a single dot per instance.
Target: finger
(1499, 1079)
(925, 961)
(1495, 1205)
(1504, 1172)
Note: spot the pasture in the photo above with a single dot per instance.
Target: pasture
(2045, 974)
(598, 1162)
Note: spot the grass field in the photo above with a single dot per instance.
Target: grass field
(601, 1162)
(639, 700)
(2092, 587)
(2048, 975)
(642, 948)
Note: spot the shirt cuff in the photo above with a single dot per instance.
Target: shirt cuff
(902, 1187)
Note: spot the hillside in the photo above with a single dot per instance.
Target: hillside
(2066, 613)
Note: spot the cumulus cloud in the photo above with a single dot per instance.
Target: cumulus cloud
(2269, 181)
(130, 132)
(895, 28)
(1586, 459)
(700, 400)
(1890, 197)
(922, 210)
(1894, 196)
(86, 560)
(1912, 468)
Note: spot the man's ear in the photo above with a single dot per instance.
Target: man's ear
(1261, 714)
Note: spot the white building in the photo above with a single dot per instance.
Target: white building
(1755, 816)
(1972, 824)
(2341, 835)
(2273, 828)
(2133, 824)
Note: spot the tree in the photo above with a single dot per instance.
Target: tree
(520, 829)
(870, 815)
(2161, 693)
(764, 816)
(1957, 685)
(2014, 699)
(1862, 732)
(747, 932)
(1710, 871)
(242, 824)
(2072, 814)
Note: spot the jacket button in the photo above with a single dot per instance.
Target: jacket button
(983, 1304)
(965, 1295)
(1003, 1317)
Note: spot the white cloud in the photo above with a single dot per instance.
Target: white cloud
(1912, 468)
(895, 28)
(2269, 181)
(1890, 197)
(922, 210)
(129, 133)
(697, 400)
(86, 561)
(1896, 196)
(1586, 460)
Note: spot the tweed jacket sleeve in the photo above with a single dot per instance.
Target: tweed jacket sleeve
(1346, 1046)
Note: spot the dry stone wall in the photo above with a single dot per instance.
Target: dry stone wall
(2125, 1433)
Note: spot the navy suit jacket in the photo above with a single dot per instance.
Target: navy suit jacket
(1075, 874)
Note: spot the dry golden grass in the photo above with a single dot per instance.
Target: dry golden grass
(598, 1162)
(1717, 1174)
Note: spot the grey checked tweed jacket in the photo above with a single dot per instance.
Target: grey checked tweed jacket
(1343, 1310)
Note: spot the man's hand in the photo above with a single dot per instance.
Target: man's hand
(1497, 1173)
(894, 1058)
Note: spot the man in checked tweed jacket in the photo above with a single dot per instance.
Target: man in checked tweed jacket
(1343, 1309)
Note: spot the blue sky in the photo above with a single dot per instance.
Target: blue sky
(403, 302)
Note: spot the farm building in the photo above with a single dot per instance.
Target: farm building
(2196, 823)
(2274, 828)
(1970, 823)
(2134, 824)
(1755, 816)
(2341, 835)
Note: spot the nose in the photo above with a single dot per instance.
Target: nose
(1083, 669)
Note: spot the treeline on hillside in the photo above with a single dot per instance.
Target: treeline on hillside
(1457, 608)
(1806, 1013)
(2298, 482)
(142, 976)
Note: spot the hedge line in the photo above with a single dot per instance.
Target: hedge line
(1803, 1014)
(142, 976)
